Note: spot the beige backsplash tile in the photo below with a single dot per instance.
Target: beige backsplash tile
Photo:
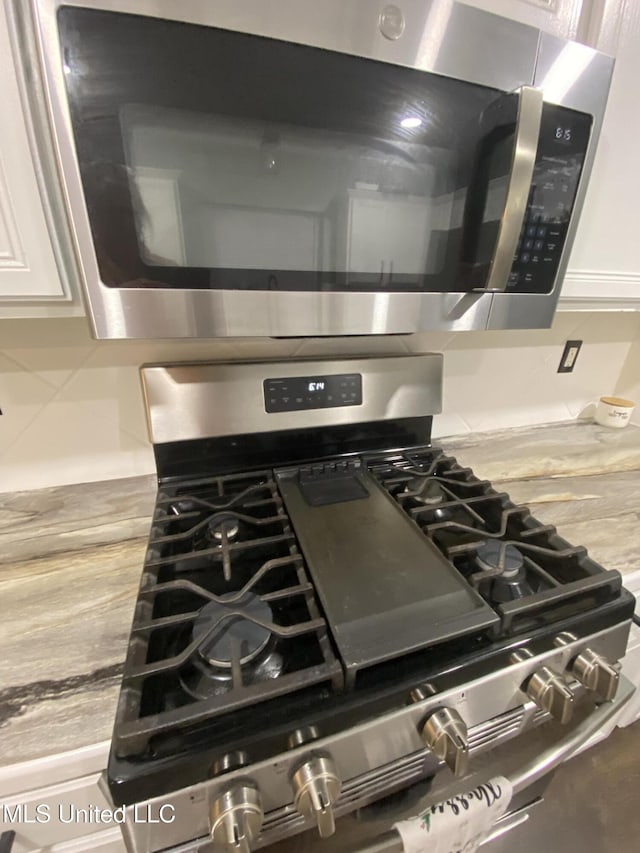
(73, 409)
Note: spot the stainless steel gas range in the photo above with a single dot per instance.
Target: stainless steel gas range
(331, 609)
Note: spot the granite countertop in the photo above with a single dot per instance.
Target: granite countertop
(71, 557)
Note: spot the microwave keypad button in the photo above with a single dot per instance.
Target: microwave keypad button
(547, 259)
(514, 278)
(541, 232)
(525, 257)
(535, 259)
(538, 245)
(531, 231)
(528, 244)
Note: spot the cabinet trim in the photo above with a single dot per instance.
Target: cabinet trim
(13, 256)
(601, 286)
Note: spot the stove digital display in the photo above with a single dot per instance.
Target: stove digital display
(296, 393)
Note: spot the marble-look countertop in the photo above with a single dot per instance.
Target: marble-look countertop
(71, 557)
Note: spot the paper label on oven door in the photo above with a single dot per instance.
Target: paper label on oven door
(459, 824)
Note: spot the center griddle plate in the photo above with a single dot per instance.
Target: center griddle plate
(385, 588)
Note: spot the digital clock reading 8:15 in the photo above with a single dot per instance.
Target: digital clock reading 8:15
(563, 134)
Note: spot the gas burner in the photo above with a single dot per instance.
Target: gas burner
(239, 647)
(238, 625)
(223, 526)
(504, 564)
(424, 490)
(181, 507)
(202, 681)
(499, 558)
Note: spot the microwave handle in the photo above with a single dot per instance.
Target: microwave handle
(550, 759)
(530, 102)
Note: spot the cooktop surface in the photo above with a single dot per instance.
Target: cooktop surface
(328, 591)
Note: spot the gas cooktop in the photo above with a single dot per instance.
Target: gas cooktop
(314, 576)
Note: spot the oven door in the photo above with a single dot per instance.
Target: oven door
(529, 763)
(308, 169)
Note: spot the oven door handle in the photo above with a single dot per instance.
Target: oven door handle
(530, 101)
(550, 759)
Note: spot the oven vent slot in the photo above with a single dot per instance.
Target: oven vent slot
(361, 791)
(378, 782)
(493, 731)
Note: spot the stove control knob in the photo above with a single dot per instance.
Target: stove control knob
(445, 733)
(236, 817)
(550, 691)
(316, 787)
(596, 673)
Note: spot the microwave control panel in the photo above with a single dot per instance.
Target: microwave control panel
(562, 147)
(296, 393)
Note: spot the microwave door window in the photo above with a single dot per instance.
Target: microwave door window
(232, 161)
(234, 194)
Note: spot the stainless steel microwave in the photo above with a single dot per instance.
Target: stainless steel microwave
(296, 168)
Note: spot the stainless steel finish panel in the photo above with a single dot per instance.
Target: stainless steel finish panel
(372, 747)
(577, 738)
(515, 205)
(185, 401)
(575, 76)
(530, 774)
(440, 36)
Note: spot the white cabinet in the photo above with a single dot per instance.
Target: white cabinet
(562, 18)
(56, 804)
(604, 267)
(30, 280)
(48, 818)
(379, 233)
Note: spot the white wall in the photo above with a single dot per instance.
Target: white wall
(73, 412)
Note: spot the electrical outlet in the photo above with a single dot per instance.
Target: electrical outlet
(569, 356)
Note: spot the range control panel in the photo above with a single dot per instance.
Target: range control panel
(562, 147)
(292, 394)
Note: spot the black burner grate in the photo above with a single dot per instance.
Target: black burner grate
(226, 614)
(461, 513)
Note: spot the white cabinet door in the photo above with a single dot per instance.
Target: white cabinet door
(604, 268)
(53, 815)
(562, 18)
(385, 235)
(28, 270)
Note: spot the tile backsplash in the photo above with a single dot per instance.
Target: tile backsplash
(628, 384)
(73, 412)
